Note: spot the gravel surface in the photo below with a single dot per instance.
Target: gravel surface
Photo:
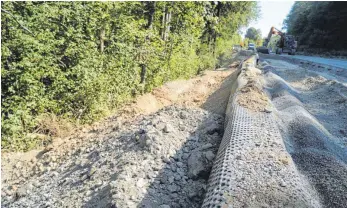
(159, 160)
(328, 61)
(311, 111)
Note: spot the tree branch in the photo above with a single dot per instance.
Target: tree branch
(22, 26)
(59, 23)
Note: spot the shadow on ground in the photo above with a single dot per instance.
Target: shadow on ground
(217, 102)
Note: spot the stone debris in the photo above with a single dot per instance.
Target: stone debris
(151, 162)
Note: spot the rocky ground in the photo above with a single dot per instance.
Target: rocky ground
(160, 160)
(209, 91)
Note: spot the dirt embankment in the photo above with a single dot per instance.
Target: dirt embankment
(187, 93)
(252, 97)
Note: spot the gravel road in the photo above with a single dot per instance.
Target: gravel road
(328, 61)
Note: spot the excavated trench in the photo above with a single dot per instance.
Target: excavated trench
(162, 159)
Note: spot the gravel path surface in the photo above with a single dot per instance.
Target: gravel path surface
(311, 111)
(328, 61)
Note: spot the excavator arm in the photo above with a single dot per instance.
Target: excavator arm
(273, 31)
(286, 43)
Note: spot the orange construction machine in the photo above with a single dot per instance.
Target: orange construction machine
(286, 44)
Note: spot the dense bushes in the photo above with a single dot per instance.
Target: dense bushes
(319, 25)
(80, 60)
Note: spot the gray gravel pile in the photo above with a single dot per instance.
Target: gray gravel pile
(160, 160)
(313, 121)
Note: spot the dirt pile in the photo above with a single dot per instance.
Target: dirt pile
(253, 98)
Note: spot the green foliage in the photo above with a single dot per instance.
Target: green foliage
(253, 33)
(81, 60)
(253, 36)
(319, 25)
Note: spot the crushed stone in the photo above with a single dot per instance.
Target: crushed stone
(151, 162)
(312, 118)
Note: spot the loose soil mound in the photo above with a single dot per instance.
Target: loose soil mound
(253, 98)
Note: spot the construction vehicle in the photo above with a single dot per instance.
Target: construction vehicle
(286, 43)
(251, 46)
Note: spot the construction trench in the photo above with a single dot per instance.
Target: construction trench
(282, 143)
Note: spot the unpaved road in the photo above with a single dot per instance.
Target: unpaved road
(311, 111)
(328, 61)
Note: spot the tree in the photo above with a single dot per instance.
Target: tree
(81, 60)
(318, 25)
(254, 36)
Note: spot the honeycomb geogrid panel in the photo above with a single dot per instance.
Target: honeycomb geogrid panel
(241, 128)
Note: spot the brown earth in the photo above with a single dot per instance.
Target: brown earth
(188, 93)
(253, 98)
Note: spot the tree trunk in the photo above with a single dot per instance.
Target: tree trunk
(218, 8)
(151, 14)
(102, 39)
(149, 26)
(143, 73)
(163, 24)
(168, 20)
